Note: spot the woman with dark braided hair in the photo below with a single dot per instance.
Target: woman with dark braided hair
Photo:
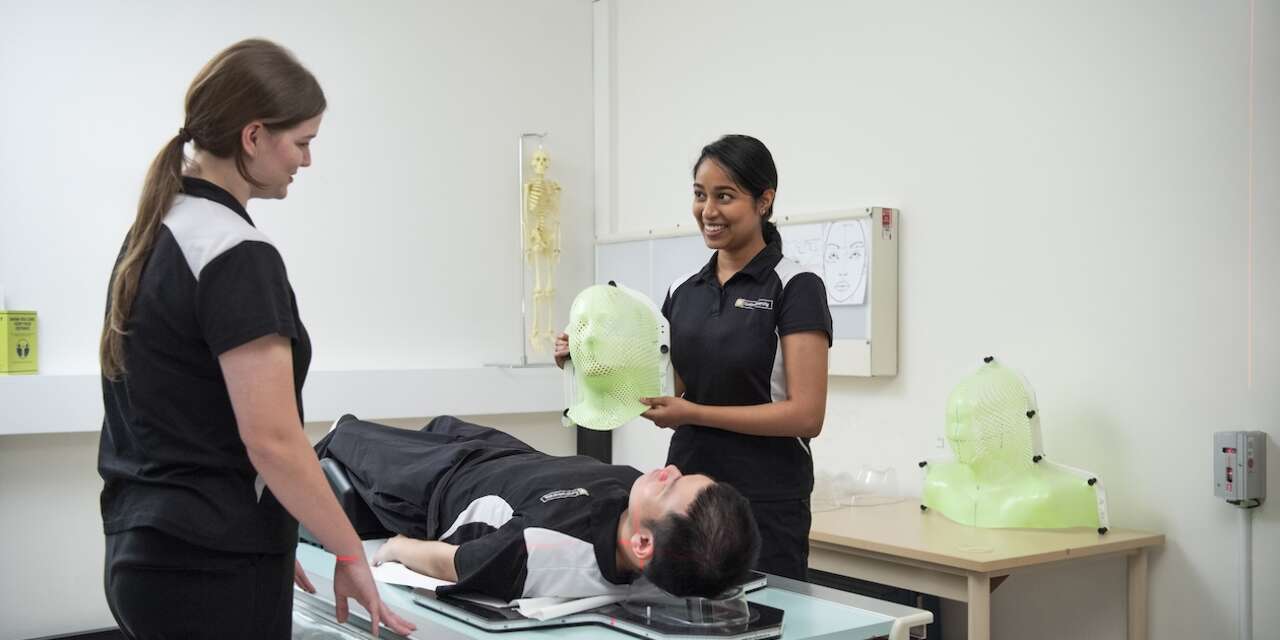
(205, 466)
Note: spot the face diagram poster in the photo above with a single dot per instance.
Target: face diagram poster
(836, 251)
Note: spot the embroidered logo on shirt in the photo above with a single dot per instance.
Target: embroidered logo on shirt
(762, 303)
(564, 493)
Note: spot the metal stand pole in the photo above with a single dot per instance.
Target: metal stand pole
(1246, 573)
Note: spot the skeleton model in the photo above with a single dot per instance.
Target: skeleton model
(542, 246)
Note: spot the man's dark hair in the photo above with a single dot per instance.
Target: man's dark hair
(708, 551)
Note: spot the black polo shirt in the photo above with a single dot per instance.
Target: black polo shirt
(726, 346)
(170, 453)
(527, 524)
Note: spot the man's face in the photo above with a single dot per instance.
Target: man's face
(663, 491)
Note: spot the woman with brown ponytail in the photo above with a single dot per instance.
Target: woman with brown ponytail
(203, 359)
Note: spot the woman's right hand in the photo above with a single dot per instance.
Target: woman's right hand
(562, 349)
(352, 579)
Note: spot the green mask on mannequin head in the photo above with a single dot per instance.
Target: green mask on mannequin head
(999, 477)
(615, 342)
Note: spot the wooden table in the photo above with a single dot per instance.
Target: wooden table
(899, 545)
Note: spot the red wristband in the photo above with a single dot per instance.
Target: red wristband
(346, 559)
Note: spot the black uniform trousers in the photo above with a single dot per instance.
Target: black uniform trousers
(159, 586)
(784, 536)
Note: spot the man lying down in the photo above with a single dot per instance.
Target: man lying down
(480, 508)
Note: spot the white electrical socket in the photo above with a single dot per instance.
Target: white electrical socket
(940, 443)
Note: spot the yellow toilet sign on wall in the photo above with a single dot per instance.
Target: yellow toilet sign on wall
(18, 342)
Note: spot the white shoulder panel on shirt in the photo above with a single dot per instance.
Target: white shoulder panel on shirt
(679, 281)
(205, 230)
(563, 566)
(787, 269)
(491, 510)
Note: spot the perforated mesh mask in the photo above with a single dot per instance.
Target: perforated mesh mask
(988, 421)
(616, 342)
(1000, 477)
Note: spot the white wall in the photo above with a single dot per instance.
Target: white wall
(1074, 181)
(401, 240)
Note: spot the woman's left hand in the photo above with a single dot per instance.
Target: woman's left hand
(668, 411)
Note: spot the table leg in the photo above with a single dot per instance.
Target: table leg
(1138, 595)
(979, 607)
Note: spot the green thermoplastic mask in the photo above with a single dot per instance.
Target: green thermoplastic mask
(1000, 476)
(619, 344)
